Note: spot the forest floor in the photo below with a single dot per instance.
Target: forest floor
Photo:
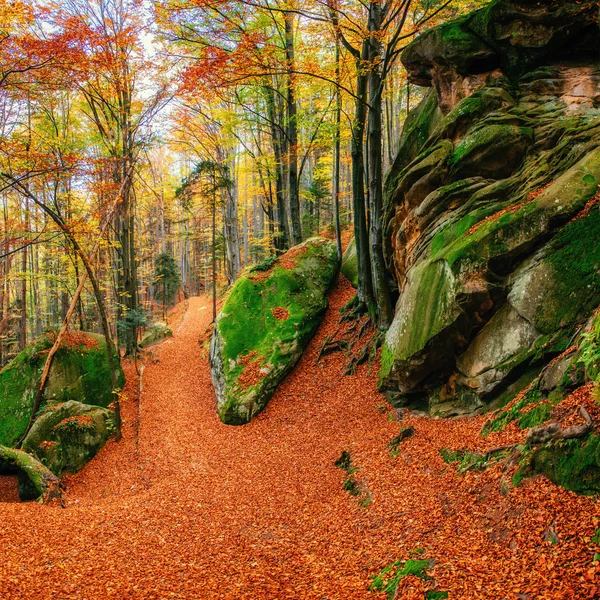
(186, 507)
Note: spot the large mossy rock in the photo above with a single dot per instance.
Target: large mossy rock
(270, 315)
(79, 372)
(66, 436)
(492, 216)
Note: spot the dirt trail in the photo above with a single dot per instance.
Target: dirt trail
(186, 507)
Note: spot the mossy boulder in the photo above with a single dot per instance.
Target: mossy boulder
(349, 267)
(492, 210)
(157, 333)
(268, 318)
(66, 436)
(79, 372)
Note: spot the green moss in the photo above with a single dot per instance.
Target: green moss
(248, 323)
(451, 233)
(36, 481)
(248, 327)
(388, 579)
(489, 138)
(536, 416)
(469, 460)
(429, 301)
(572, 464)
(499, 235)
(575, 257)
(263, 265)
(433, 595)
(78, 373)
(505, 417)
(589, 356)
(387, 362)
(65, 437)
(415, 133)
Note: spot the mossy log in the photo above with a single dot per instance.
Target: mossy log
(36, 482)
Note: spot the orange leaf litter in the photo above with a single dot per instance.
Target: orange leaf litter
(186, 507)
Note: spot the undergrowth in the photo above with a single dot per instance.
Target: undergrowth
(388, 579)
(351, 484)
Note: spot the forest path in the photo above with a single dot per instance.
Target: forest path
(185, 507)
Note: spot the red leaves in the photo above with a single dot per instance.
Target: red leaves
(281, 314)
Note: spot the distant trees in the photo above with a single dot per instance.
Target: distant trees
(272, 59)
(167, 280)
(284, 117)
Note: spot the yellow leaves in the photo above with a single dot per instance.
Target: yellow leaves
(14, 15)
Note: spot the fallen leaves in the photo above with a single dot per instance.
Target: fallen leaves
(186, 507)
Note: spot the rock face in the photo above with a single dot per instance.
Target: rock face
(269, 317)
(79, 372)
(492, 204)
(349, 267)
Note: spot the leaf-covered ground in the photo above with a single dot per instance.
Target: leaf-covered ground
(186, 507)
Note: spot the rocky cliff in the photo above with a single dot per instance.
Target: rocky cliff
(493, 226)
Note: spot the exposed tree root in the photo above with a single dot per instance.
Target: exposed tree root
(553, 431)
(537, 436)
(329, 346)
(368, 352)
(355, 309)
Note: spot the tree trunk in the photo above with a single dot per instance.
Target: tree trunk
(292, 129)
(24, 270)
(282, 240)
(375, 148)
(336, 151)
(214, 253)
(365, 285)
(232, 239)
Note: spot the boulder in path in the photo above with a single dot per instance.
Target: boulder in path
(270, 315)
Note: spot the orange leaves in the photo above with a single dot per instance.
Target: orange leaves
(187, 507)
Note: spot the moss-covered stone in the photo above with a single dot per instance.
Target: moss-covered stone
(350, 264)
(79, 372)
(572, 464)
(492, 225)
(493, 151)
(36, 481)
(157, 333)
(427, 308)
(266, 322)
(65, 437)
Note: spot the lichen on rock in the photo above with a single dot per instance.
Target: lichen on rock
(66, 436)
(252, 347)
